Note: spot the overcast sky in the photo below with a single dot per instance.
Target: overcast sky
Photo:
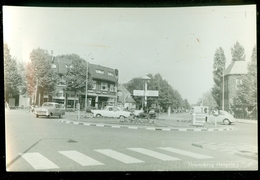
(178, 43)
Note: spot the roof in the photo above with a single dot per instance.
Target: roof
(236, 67)
(107, 73)
(130, 99)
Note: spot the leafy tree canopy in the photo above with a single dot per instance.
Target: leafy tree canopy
(12, 77)
(218, 72)
(238, 52)
(167, 95)
(75, 76)
(40, 70)
(247, 92)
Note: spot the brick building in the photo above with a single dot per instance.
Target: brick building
(103, 91)
(232, 78)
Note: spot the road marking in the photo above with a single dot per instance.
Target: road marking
(80, 158)
(154, 154)
(119, 156)
(38, 161)
(132, 127)
(115, 126)
(100, 125)
(186, 153)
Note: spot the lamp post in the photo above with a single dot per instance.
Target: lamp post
(223, 90)
(146, 79)
(86, 95)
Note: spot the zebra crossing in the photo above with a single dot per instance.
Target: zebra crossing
(40, 162)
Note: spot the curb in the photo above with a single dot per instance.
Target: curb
(145, 127)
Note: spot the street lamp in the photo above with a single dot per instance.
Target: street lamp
(146, 79)
(86, 95)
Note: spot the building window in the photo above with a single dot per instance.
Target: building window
(112, 88)
(110, 74)
(104, 86)
(94, 85)
(238, 82)
(99, 71)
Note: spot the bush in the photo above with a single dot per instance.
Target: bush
(143, 115)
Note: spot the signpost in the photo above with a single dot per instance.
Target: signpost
(145, 92)
(148, 93)
(216, 114)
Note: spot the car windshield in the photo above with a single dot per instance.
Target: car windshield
(47, 105)
(223, 113)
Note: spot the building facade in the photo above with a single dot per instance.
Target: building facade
(101, 94)
(125, 98)
(232, 79)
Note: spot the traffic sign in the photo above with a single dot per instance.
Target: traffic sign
(148, 93)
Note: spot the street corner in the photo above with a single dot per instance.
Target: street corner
(247, 154)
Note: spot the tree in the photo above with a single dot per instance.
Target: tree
(186, 104)
(12, 78)
(22, 72)
(207, 100)
(247, 91)
(75, 76)
(167, 95)
(238, 52)
(30, 79)
(218, 73)
(39, 74)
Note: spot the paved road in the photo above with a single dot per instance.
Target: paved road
(40, 144)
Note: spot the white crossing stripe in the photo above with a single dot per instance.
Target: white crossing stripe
(186, 153)
(154, 154)
(81, 158)
(38, 161)
(119, 156)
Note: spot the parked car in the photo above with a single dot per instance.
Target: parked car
(111, 111)
(49, 109)
(223, 117)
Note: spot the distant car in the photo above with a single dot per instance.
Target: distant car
(223, 117)
(111, 111)
(49, 109)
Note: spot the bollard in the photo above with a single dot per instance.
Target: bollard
(78, 107)
(193, 118)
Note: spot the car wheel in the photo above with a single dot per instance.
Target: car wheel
(48, 116)
(37, 115)
(121, 117)
(226, 122)
(60, 116)
(98, 115)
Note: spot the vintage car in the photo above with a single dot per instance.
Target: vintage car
(223, 117)
(111, 111)
(49, 109)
